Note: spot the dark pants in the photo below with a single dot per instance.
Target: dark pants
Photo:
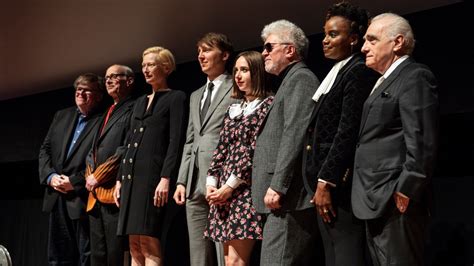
(292, 238)
(106, 247)
(343, 239)
(398, 239)
(68, 242)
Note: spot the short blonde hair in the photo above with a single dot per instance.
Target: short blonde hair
(163, 56)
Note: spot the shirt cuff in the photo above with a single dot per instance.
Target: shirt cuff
(48, 181)
(327, 182)
(211, 181)
(234, 181)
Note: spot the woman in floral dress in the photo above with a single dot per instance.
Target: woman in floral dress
(233, 219)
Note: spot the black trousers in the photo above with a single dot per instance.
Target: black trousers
(343, 239)
(107, 248)
(292, 238)
(396, 238)
(68, 242)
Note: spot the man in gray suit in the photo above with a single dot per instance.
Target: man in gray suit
(291, 233)
(395, 154)
(206, 113)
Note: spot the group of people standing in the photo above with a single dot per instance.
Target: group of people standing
(316, 171)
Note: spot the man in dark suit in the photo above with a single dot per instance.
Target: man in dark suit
(207, 108)
(291, 230)
(395, 155)
(61, 165)
(102, 165)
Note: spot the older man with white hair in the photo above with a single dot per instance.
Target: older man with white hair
(397, 145)
(291, 234)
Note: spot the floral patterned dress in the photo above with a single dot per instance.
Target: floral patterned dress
(237, 218)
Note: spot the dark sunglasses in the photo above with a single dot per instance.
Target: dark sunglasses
(269, 45)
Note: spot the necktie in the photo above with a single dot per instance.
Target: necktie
(207, 102)
(111, 109)
(379, 81)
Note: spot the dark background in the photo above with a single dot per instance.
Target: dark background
(443, 43)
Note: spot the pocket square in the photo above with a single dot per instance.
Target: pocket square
(385, 94)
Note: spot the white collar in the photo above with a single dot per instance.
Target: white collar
(394, 66)
(328, 81)
(217, 81)
(244, 108)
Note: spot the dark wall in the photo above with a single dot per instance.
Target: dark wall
(442, 43)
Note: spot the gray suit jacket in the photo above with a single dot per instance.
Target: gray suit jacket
(201, 140)
(397, 141)
(277, 160)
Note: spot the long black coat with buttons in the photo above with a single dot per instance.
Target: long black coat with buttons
(331, 137)
(153, 148)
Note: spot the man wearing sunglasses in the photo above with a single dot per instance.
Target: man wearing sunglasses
(291, 234)
(61, 165)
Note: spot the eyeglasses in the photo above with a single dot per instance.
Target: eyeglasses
(85, 90)
(114, 76)
(269, 45)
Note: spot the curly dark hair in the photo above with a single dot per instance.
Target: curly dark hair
(358, 17)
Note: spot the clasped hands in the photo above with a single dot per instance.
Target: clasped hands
(61, 183)
(217, 196)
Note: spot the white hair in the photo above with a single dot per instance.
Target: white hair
(287, 31)
(399, 25)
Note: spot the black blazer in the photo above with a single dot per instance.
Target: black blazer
(52, 159)
(397, 141)
(112, 140)
(332, 134)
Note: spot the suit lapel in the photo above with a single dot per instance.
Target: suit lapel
(221, 93)
(196, 105)
(116, 114)
(335, 85)
(85, 132)
(70, 118)
(278, 95)
(381, 88)
(318, 106)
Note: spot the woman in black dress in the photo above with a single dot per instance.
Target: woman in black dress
(151, 159)
(233, 219)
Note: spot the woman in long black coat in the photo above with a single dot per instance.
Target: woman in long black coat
(331, 137)
(151, 159)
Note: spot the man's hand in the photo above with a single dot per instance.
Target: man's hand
(91, 182)
(220, 196)
(161, 192)
(272, 199)
(62, 183)
(322, 200)
(118, 185)
(180, 195)
(401, 201)
(55, 183)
